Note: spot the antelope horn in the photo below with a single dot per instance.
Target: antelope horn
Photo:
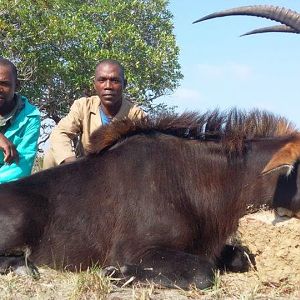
(280, 14)
(278, 28)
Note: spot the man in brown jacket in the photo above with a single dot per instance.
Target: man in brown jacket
(88, 113)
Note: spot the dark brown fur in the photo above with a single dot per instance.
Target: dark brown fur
(159, 197)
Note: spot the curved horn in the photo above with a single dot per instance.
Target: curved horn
(278, 28)
(280, 14)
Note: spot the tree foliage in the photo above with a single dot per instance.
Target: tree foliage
(56, 45)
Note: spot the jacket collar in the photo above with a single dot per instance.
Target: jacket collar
(95, 104)
(11, 115)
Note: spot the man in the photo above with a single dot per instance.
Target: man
(19, 127)
(88, 113)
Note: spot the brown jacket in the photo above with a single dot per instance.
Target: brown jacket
(82, 120)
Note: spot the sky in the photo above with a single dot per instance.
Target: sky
(223, 70)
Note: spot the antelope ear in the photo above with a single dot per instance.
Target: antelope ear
(284, 169)
(284, 159)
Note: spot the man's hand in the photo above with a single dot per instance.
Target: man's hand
(10, 152)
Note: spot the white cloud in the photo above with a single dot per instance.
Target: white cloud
(227, 71)
(183, 98)
(183, 94)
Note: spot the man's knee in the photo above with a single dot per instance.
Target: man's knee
(49, 160)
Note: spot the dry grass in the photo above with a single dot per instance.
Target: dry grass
(56, 285)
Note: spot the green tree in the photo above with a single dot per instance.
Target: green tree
(57, 43)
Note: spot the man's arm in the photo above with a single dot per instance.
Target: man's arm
(26, 148)
(63, 134)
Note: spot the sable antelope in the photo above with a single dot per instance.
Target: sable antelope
(158, 197)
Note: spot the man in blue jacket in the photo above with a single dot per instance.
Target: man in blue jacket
(19, 127)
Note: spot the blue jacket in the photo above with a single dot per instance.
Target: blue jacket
(23, 132)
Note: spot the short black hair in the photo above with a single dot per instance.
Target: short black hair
(113, 62)
(8, 63)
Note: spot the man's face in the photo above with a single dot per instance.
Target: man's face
(7, 86)
(109, 84)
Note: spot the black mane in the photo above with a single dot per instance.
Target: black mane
(232, 127)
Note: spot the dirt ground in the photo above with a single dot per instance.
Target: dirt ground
(275, 242)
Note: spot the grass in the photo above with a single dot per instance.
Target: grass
(92, 285)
